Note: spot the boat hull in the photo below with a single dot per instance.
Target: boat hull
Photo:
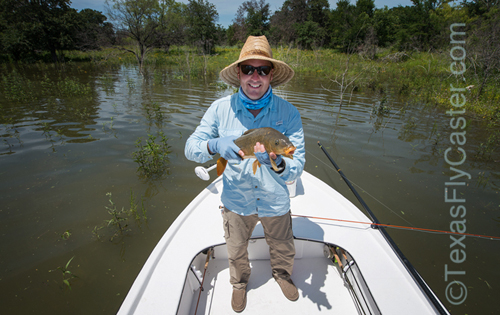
(162, 286)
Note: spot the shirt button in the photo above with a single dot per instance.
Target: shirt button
(258, 198)
(255, 186)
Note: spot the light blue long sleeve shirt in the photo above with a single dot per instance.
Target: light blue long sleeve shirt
(264, 193)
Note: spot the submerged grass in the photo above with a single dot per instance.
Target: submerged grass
(67, 275)
(118, 223)
(421, 77)
(23, 88)
(152, 156)
(412, 77)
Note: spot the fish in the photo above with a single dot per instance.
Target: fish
(273, 140)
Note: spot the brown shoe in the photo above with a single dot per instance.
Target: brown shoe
(289, 289)
(239, 300)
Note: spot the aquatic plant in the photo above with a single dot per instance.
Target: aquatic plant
(486, 149)
(154, 113)
(69, 87)
(108, 125)
(130, 84)
(12, 132)
(152, 157)
(17, 87)
(65, 236)
(107, 83)
(133, 208)
(116, 217)
(67, 275)
(346, 80)
(381, 108)
(482, 181)
(119, 218)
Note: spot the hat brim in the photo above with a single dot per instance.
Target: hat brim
(282, 72)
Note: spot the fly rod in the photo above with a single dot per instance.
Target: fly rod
(416, 276)
(363, 204)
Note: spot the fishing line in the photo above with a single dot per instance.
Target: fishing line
(416, 276)
(432, 231)
(366, 192)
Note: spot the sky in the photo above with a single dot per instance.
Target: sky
(227, 8)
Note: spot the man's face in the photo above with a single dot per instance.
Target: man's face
(254, 85)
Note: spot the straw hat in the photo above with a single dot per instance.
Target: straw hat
(257, 47)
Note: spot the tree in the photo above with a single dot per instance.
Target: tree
(385, 23)
(421, 25)
(309, 34)
(145, 21)
(342, 23)
(484, 45)
(479, 7)
(28, 26)
(252, 18)
(201, 17)
(304, 19)
(175, 28)
(282, 26)
(92, 31)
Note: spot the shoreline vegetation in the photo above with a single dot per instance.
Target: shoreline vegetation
(421, 77)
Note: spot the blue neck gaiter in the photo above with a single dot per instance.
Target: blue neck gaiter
(256, 104)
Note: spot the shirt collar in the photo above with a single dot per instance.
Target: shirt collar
(240, 107)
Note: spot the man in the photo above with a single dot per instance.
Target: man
(248, 197)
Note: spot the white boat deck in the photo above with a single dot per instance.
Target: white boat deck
(159, 286)
(319, 283)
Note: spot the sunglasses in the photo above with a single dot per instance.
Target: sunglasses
(262, 70)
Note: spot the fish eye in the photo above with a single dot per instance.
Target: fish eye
(277, 142)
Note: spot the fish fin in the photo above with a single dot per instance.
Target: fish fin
(249, 131)
(273, 164)
(254, 166)
(221, 166)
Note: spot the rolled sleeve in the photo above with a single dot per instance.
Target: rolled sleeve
(197, 144)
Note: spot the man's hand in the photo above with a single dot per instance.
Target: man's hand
(226, 147)
(263, 157)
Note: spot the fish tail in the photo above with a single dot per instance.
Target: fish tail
(254, 166)
(221, 166)
(273, 164)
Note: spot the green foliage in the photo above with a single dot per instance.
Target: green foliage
(92, 30)
(483, 46)
(486, 149)
(134, 211)
(152, 157)
(252, 18)
(119, 218)
(116, 217)
(30, 27)
(17, 87)
(309, 34)
(65, 236)
(67, 275)
(154, 114)
(51, 26)
(201, 16)
(386, 24)
(293, 21)
(149, 23)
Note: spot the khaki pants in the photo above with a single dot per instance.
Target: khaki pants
(279, 236)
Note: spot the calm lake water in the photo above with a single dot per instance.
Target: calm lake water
(62, 152)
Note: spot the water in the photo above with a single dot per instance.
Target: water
(61, 154)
